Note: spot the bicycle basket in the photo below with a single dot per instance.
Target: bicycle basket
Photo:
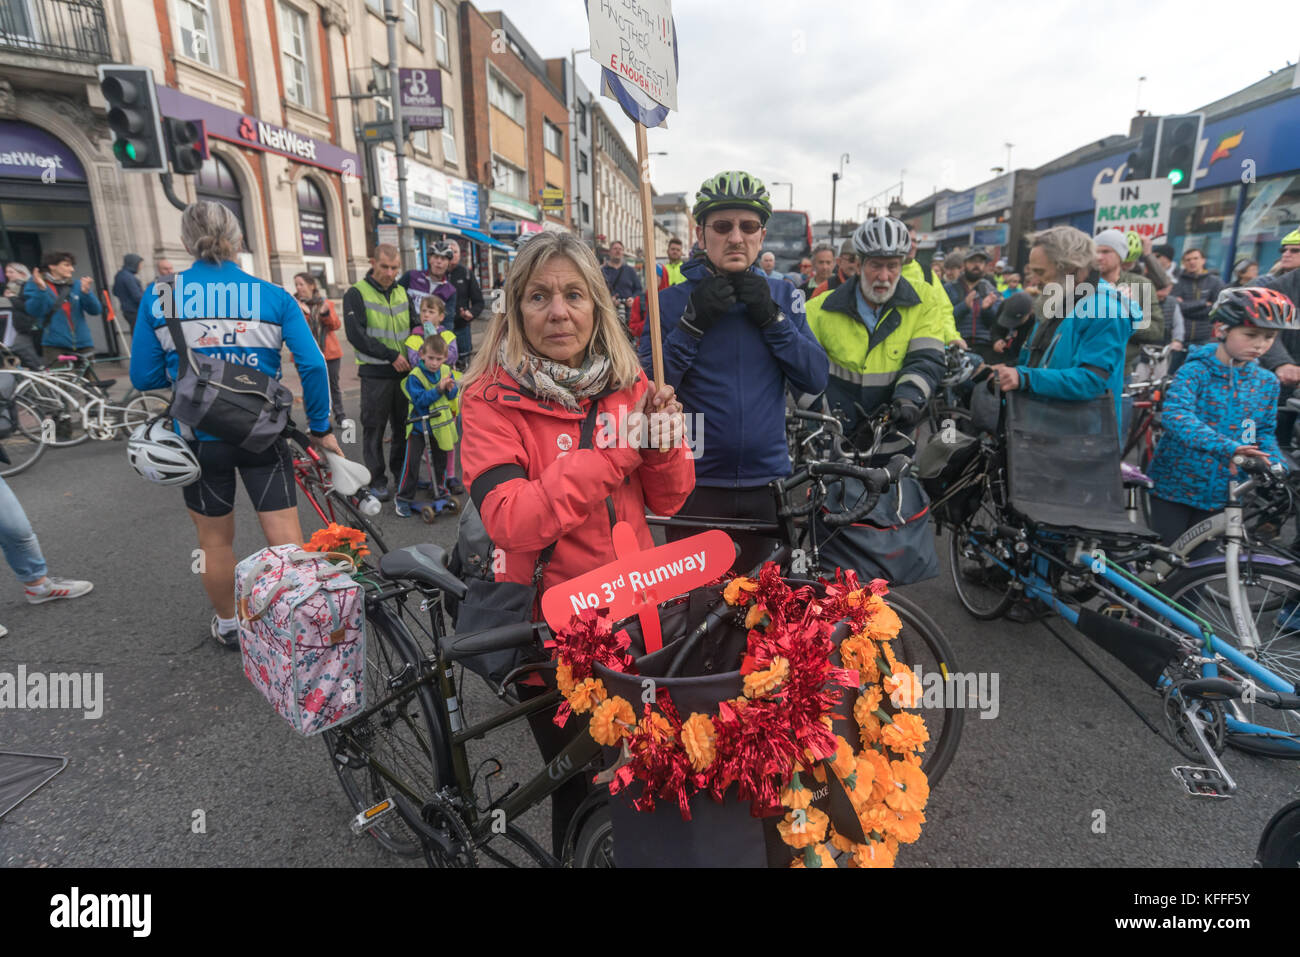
(894, 541)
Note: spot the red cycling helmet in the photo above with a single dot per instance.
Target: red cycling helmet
(1257, 306)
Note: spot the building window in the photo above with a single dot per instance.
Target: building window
(195, 23)
(411, 20)
(1203, 220)
(440, 48)
(582, 162)
(420, 140)
(216, 183)
(379, 77)
(1274, 211)
(552, 138)
(508, 179)
(294, 47)
(449, 154)
(581, 110)
(586, 213)
(505, 99)
(312, 222)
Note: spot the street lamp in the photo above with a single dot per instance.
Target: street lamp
(791, 186)
(835, 179)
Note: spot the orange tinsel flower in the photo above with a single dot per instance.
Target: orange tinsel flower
(865, 776)
(904, 825)
(844, 763)
(890, 661)
(883, 781)
(883, 623)
(739, 591)
(564, 678)
(872, 854)
(907, 733)
(586, 694)
(763, 682)
(755, 616)
(656, 726)
(611, 721)
(806, 832)
(903, 688)
(840, 842)
(796, 796)
(868, 729)
(699, 738)
(858, 652)
(912, 789)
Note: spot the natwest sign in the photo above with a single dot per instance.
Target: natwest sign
(277, 138)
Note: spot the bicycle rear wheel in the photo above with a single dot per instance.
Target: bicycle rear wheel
(983, 587)
(25, 444)
(921, 645)
(1273, 593)
(50, 403)
(402, 749)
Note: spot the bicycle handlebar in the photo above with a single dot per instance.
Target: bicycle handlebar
(875, 479)
(1254, 465)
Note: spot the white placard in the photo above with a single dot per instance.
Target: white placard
(1137, 206)
(634, 40)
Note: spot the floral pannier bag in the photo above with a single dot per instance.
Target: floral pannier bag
(302, 634)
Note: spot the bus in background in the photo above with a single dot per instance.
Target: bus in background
(789, 238)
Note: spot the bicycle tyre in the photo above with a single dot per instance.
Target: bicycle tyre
(1203, 589)
(594, 845)
(144, 407)
(983, 600)
(922, 642)
(51, 405)
(26, 443)
(422, 752)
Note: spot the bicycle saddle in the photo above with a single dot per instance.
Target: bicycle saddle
(426, 564)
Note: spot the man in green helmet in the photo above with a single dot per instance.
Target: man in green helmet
(732, 341)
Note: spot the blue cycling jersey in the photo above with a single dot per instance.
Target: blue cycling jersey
(226, 313)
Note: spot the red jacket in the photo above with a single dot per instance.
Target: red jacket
(548, 489)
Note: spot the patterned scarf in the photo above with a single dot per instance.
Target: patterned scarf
(548, 379)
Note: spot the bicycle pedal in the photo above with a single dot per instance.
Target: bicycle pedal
(366, 819)
(1203, 782)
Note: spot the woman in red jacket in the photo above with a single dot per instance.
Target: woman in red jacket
(556, 350)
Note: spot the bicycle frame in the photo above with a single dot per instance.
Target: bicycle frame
(89, 403)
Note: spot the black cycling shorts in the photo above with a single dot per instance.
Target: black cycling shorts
(267, 476)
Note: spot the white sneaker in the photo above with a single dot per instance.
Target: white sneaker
(56, 588)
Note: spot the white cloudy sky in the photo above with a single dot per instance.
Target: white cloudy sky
(934, 88)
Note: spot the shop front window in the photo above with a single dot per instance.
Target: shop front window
(1272, 210)
(312, 222)
(1203, 220)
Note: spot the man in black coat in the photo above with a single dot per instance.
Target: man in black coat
(127, 289)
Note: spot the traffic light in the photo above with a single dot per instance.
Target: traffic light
(187, 144)
(133, 117)
(1176, 149)
(1140, 160)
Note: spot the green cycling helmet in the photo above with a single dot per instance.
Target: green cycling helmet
(734, 189)
(1134, 247)
(1292, 238)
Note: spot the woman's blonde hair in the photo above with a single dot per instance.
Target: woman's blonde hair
(211, 232)
(607, 335)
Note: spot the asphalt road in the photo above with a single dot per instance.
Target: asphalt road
(1064, 775)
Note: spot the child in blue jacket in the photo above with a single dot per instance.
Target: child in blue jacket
(1221, 404)
(432, 388)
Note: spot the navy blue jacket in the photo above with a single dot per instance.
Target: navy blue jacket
(735, 379)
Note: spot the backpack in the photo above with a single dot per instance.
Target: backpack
(236, 403)
(302, 634)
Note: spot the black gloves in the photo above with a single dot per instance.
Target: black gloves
(906, 413)
(754, 293)
(710, 299)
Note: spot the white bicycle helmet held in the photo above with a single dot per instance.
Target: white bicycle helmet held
(882, 236)
(160, 455)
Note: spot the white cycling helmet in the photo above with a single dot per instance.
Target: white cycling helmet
(160, 455)
(882, 236)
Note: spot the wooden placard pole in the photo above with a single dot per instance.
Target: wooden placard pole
(648, 236)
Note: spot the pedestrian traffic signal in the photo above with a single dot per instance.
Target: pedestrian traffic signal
(133, 117)
(187, 145)
(1176, 149)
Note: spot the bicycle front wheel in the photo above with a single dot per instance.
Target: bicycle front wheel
(319, 508)
(25, 444)
(401, 749)
(68, 423)
(921, 645)
(983, 586)
(1273, 595)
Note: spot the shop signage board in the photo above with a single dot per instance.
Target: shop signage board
(421, 95)
(432, 195)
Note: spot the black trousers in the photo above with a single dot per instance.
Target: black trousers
(756, 504)
(383, 405)
(1171, 519)
(336, 393)
(410, 474)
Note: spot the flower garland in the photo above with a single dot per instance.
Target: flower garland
(779, 731)
(340, 538)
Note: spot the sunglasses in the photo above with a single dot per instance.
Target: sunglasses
(723, 227)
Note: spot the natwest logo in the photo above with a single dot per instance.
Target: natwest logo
(277, 138)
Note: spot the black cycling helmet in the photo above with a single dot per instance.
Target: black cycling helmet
(442, 248)
(1258, 306)
(733, 189)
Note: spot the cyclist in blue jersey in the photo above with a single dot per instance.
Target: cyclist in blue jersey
(227, 313)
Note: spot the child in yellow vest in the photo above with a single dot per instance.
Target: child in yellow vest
(432, 389)
(433, 312)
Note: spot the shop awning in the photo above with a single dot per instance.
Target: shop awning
(487, 240)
